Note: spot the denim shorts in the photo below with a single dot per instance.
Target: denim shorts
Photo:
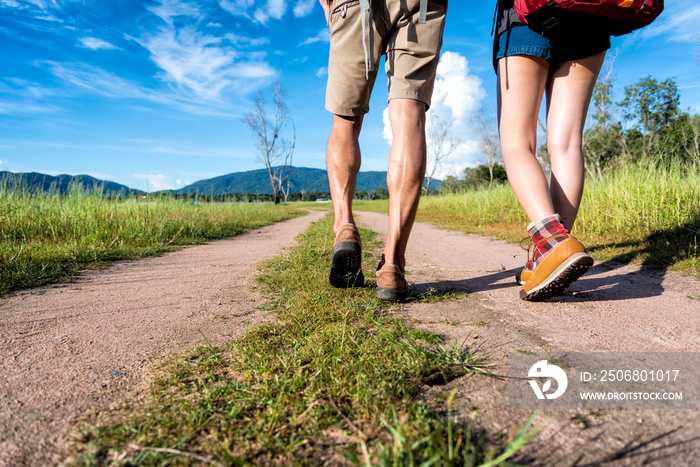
(521, 40)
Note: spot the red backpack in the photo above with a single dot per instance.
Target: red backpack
(572, 17)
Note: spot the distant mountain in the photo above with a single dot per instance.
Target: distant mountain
(258, 182)
(37, 182)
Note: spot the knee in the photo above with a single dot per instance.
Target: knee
(407, 113)
(514, 144)
(346, 127)
(564, 148)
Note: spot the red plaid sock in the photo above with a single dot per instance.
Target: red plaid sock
(540, 233)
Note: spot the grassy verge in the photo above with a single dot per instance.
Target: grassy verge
(45, 239)
(332, 380)
(637, 214)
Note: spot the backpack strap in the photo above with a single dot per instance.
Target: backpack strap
(422, 16)
(366, 11)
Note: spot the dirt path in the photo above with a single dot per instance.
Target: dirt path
(69, 348)
(613, 308)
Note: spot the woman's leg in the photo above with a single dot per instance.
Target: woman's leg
(558, 258)
(568, 97)
(520, 87)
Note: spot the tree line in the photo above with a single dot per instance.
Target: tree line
(646, 126)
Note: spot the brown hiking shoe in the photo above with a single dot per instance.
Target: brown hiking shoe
(391, 282)
(346, 262)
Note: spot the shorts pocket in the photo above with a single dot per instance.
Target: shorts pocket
(340, 10)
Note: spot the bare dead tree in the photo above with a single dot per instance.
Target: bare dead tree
(486, 128)
(274, 151)
(441, 144)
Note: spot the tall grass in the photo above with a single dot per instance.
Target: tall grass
(638, 213)
(47, 237)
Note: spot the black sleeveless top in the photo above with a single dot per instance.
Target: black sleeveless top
(505, 16)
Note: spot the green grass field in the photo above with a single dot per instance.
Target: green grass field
(47, 238)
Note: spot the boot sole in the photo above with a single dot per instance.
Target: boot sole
(346, 266)
(567, 272)
(391, 295)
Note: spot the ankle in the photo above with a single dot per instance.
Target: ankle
(393, 259)
(545, 235)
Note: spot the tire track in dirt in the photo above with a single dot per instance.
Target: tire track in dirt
(613, 308)
(69, 348)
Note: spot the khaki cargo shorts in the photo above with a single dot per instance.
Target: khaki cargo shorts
(412, 52)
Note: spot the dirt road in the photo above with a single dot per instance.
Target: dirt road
(69, 348)
(613, 308)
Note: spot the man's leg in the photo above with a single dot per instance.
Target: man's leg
(405, 180)
(343, 163)
(405, 176)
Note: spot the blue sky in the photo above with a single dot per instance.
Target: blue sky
(151, 93)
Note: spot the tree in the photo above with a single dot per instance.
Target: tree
(441, 144)
(484, 176)
(653, 105)
(691, 140)
(274, 152)
(451, 184)
(486, 128)
(602, 141)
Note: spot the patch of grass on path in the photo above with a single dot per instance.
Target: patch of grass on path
(636, 214)
(47, 238)
(334, 379)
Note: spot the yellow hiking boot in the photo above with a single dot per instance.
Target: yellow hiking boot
(561, 266)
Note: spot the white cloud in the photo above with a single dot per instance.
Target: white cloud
(98, 80)
(10, 4)
(94, 43)
(456, 96)
(237, 7)
(304, 8)
(158, 182)
(243, 41)
(197, 62)
(455, 87)
(276, 8)
(678, 23)
(323, 36)
(322, 72)
(261, 16)
(20, 108)
(169, 9)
